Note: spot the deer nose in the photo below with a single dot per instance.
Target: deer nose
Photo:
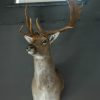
(30, 47)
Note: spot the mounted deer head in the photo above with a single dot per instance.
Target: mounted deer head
(47, 82)
(40, 41)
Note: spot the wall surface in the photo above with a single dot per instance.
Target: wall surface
(76, 52)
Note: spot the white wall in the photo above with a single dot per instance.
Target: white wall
(29, 1)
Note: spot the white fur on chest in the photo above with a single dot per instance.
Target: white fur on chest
(42, 70)
(45, 95)
(43, 80)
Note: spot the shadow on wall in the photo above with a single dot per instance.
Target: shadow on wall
(67, 70)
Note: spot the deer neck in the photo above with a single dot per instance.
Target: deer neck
(43, 64)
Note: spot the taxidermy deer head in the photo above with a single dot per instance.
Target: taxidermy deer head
(41, 40)
(47, 83)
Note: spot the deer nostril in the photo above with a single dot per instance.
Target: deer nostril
(27, 49)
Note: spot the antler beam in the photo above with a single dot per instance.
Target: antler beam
(74, 15)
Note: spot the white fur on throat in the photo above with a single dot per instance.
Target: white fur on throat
(37, 56)
(41, 67)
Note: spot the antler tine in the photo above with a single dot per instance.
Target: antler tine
(40, 29)
(31, 28)
(74, 13)
(28, 21)
(20, 30)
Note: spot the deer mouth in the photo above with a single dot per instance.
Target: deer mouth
(31, 49)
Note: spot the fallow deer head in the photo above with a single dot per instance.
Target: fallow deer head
(39, 42)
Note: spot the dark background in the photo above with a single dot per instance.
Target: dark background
(76, 52)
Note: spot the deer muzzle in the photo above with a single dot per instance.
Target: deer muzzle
(31, 49)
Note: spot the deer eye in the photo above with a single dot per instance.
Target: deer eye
(44, 42)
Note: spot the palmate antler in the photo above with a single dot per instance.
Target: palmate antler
(74, 15)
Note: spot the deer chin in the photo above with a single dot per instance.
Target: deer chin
(31, 52)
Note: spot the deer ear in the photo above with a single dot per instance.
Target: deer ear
(53, 37)
(28, 39)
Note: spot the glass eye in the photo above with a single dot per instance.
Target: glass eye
(44, 42)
